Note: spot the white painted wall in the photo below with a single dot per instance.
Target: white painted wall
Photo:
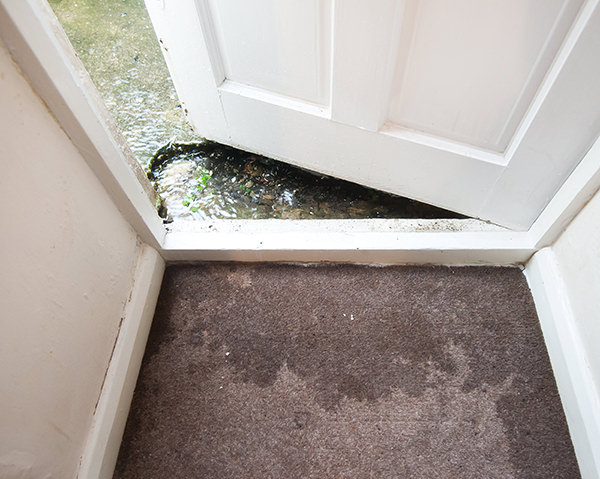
(577, 256)
(67, 259)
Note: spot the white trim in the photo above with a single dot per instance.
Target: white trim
(573, 376)
(570, 43)
(212, 43)
(37, 42)
(374, 247)
(175, 24)
(377, 241)
(369, 225)
(570, 199)
(248, 91)
(443, 144)
(384, 19)
(104, 439)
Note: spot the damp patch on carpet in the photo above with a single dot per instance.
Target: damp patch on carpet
(271, 370)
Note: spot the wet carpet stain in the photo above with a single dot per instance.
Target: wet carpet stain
(270, 370)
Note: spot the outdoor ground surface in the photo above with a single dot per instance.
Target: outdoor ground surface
(345, 371)
(200, 180)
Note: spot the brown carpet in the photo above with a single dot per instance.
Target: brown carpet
(343, 371)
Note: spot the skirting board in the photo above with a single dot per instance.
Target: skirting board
(573, 377)
(102, 448)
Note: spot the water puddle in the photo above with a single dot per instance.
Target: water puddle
(213, 181)
(197, 179)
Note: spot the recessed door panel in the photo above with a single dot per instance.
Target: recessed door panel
(282, 47)
(468, 69)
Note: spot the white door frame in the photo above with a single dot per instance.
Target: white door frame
(37, 42)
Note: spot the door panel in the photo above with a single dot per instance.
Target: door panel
(282, 47)
(471, 68)
(565, 125)
(482, 107)
(358, 155)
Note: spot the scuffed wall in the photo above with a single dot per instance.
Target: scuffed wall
(67, 260)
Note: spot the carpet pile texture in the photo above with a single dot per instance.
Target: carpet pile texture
(345, 371)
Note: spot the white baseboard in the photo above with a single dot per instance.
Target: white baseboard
(102, 447)
(573, 377)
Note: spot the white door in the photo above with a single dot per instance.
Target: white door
(480, 106)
